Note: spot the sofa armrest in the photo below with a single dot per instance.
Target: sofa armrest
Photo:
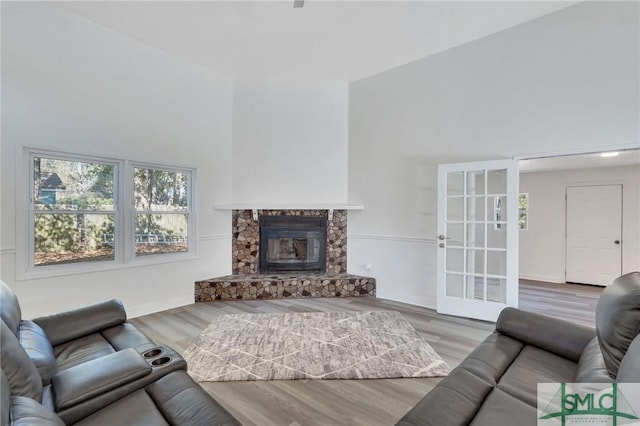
(175, 362)
(75, 323)
(561, 337)
(96, 377)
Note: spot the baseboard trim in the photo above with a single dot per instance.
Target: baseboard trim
(425, 302)
(161, 305)
(545, 278)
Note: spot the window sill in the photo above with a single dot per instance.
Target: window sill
(91, 267)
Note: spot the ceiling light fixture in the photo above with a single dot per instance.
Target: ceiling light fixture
(609, 154)
(298, 3)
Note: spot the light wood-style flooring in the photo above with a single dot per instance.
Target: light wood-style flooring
(352, 402)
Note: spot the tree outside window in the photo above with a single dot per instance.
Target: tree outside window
(73, 207)
(161, 200)
(523, 211)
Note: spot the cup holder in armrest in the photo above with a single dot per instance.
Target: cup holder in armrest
(160, 361)
(152, 352)
(163, 359)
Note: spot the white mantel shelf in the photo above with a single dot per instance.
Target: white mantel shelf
(288, 206)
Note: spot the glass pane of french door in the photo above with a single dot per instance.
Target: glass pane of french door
(476, 223)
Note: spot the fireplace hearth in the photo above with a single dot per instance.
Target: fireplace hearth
(292, 243)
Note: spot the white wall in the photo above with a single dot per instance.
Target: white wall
(71, 85)
(290, 142)
(542, 246)
(567, 81)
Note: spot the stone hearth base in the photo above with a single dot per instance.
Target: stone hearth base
(282, 286)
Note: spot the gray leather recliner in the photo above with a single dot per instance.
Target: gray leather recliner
(497, 383)
(89, 367)
(60, 341)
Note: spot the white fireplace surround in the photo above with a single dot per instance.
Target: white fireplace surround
(254, 207)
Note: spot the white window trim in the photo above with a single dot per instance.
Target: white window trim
(131, 214)
(124, 221)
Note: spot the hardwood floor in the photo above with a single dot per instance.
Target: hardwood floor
(573, 302)
(352, 402)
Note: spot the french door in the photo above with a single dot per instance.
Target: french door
(477, 238)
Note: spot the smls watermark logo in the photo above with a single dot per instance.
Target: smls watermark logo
(606, 404)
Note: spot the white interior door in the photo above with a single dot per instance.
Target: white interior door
(477, 238)
(594, 234)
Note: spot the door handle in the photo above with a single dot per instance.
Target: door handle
(442, 238)
(617, 241)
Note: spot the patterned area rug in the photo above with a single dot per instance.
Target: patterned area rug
(314, 345)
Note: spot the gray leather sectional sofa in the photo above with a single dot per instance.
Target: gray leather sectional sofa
(497, 383)
(89, 366)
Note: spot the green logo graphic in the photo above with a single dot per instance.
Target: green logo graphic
(607, 405)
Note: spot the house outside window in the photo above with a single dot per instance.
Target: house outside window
(76, 216)
(72, 208)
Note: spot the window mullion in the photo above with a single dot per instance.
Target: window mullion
(127, 212)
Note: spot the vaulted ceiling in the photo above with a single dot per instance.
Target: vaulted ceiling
(323, 41)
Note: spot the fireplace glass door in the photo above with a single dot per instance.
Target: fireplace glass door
(294, 247)
(297, 245)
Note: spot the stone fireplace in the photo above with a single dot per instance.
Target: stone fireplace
(245, 240)
(287, 254)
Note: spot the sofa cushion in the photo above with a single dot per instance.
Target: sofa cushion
(532, 366)
(136, 409)
(183, 402)
(618, 319)
(97, 345)
(81, 350)
(461, 389)
(502, 409)
(27, 412)
(591, 367)
(629, 371)
(37, 346)
(9, 308)
(125, 336)
(22, 374)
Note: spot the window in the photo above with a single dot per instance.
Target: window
(75, 218)
(161, 200)
(73, 210)
(523, 214)
(523, 206)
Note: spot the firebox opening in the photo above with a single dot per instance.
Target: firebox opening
(292, 243)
